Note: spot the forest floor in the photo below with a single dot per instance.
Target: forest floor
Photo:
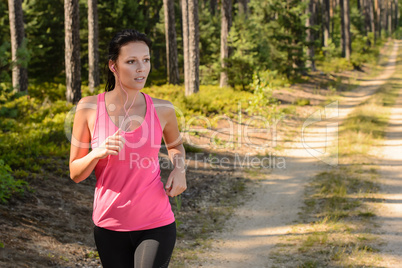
(51, 226)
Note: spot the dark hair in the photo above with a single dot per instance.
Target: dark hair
(120, 39)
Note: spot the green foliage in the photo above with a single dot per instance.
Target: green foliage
(209, 101)
(5, 57)
(281, 35)
(44, 29)
(8, 185)
(32, 126)
(244, 56)
(209, 47)
(263, 103)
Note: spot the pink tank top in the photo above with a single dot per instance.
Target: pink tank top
(129, 193)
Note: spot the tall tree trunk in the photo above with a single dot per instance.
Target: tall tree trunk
(396, 14)
(325, 21)
(171, 44)
(310, 35)
(226, 13)
(390, 12)
(72, 50)
(93, 46)
(191, 46)
(369, 20)
(19, 73)
(343, 39)
(345, 24)
(194, 42)
(377, 12)
(186, 45)
(383, 16)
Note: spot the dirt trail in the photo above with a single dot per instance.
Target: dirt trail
(257, 225)
(390, 211)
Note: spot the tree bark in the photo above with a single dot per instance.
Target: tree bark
(226, 22)
(390, 12)
(171, 44)
(325, 21)
(72, 50)
(93, 46)
(194, 41)
(345, 24)
(19, 73)
(186, 46)
(310, 35)
(377, 11)
(396, 14)
(191, 46)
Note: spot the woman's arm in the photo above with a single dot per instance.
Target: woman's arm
(176, 183)
(83, 163)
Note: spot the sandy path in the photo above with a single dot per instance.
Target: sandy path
(257, 225)
(390, 211)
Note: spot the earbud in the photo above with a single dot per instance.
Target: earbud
(113, 68)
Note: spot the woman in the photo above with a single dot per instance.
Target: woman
(134, 222)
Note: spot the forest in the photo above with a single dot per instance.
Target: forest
(207, 57)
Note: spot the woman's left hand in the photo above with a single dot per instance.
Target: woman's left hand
(176, 183)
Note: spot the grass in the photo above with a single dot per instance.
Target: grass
(336, 224)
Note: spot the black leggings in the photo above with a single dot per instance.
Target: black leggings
(140, 249)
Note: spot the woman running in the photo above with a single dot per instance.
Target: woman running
(134, 222)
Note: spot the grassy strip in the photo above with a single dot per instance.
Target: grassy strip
(336, 228)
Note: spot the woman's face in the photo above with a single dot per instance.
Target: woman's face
(133, 65)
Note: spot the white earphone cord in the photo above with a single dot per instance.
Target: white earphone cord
(124, 119)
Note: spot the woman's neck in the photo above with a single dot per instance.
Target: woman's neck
(125, 97)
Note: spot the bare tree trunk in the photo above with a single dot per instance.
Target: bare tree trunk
(191, 46)
(19, 73)
(390, 12)
(93, 47)
(383, 16)
(348, 39)
(186, 45)
(325, 21)
(343, 39)
(226, 14)
(171, 44)
(345, 24)
(372, 12)
(310, 35)
(369, 21)
(377, 11)
(194, 42)
(396, 11)
(72, 50)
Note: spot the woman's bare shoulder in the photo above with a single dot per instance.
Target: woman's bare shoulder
(162, 105)
(87, 106)
(88, 100)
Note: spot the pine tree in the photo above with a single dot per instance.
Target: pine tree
(93, 47)
(72, 51)
(19, 70)
(171, 44)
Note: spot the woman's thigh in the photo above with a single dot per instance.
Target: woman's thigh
(155, 247)
(115, 248)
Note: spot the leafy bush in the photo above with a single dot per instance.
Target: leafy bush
(8, 185)
(263, 103)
